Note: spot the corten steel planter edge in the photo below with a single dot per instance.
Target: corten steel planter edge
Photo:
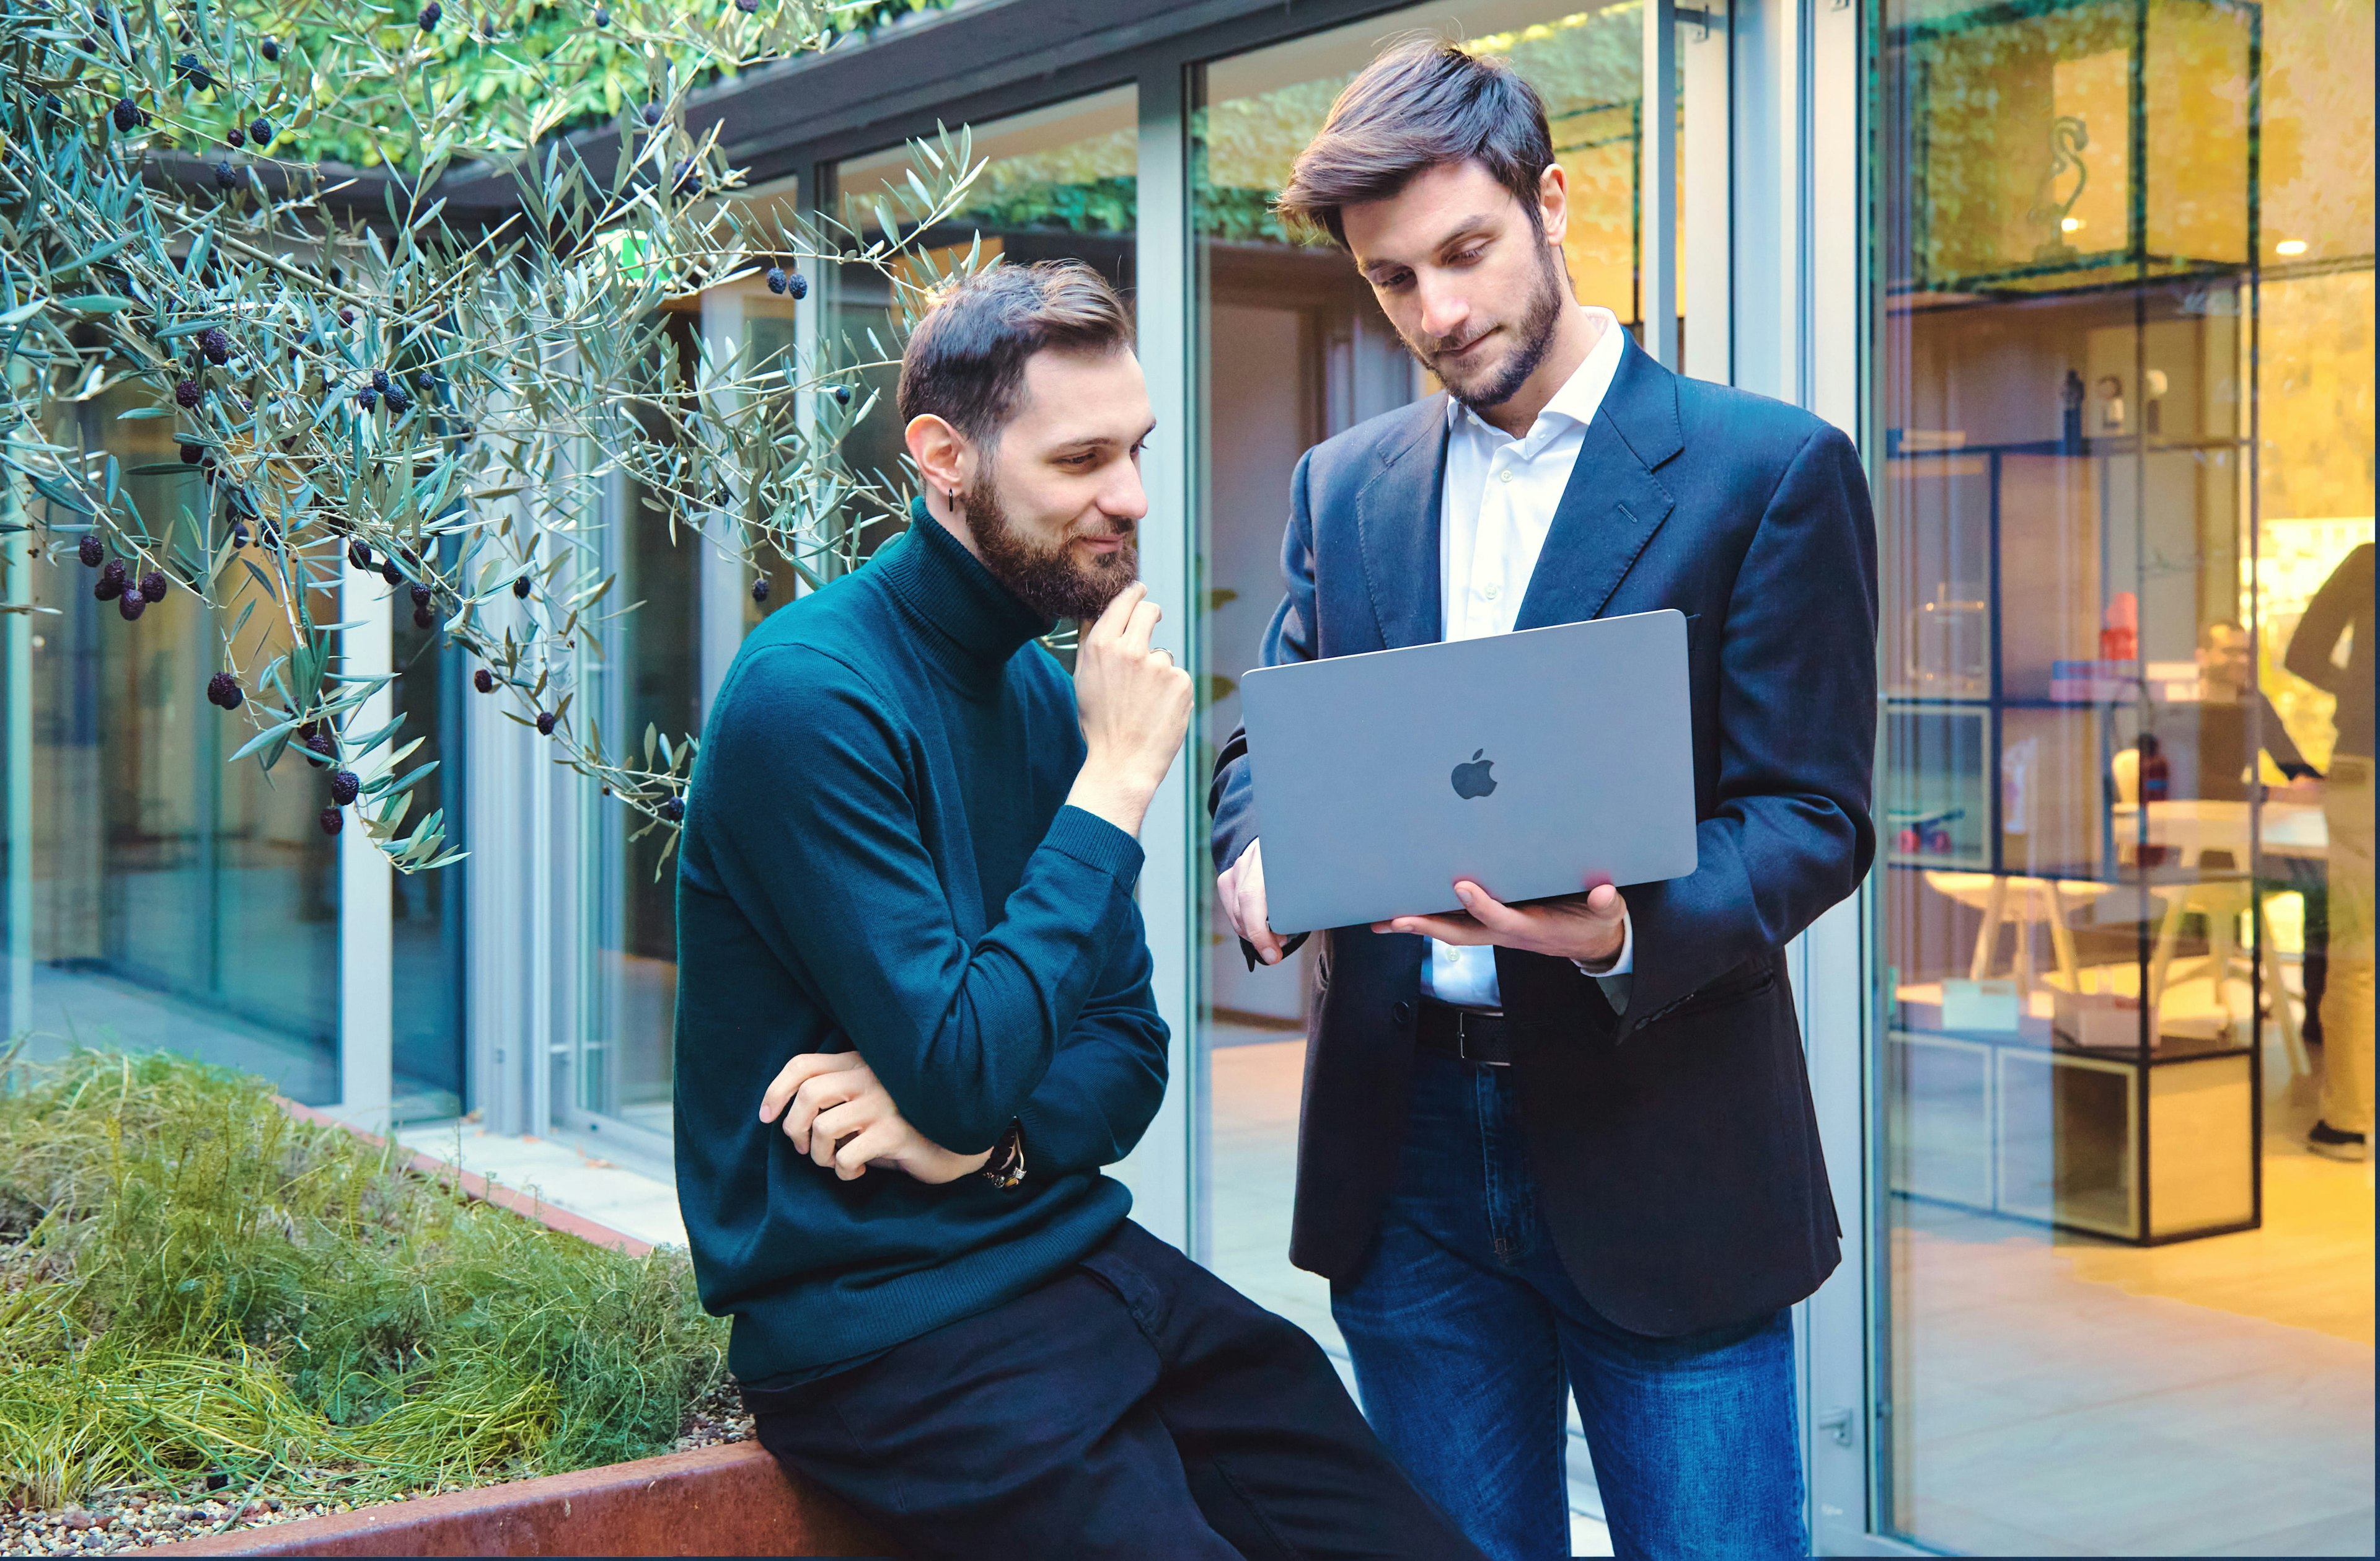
(475, 1186)
(727, 1500)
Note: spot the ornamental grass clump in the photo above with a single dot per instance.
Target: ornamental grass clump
(200, 1292)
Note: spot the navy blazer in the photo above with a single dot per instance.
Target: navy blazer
(1675, 1146)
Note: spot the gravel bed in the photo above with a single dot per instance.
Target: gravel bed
(128, 1519)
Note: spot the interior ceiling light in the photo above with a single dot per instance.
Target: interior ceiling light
(2071, 225)
(2291, 247)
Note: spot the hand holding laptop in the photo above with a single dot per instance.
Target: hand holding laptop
(1584, 928)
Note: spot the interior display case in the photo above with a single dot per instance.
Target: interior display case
(2079, 996)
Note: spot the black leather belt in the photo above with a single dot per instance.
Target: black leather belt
(1467, 1034)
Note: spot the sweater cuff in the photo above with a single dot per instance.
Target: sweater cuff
(1095, 842)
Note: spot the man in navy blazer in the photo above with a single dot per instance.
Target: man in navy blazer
(1570, 1146)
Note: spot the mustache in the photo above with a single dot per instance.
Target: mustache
(1441, 347)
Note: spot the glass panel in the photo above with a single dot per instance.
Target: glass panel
(649, 670)
(1058, 182)
(1293, 349)
(2124, 375)
(426, 908)
(177, 902)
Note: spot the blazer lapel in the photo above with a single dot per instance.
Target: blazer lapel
(1396, 520)
(1613, 503)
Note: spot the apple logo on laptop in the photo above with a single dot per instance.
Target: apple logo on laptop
(1472, 780)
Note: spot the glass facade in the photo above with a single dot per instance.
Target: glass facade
(152, 872)
(2123, 378)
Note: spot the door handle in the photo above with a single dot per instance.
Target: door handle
(1837, 1423)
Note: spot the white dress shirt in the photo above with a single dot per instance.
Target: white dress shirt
(1501, 494)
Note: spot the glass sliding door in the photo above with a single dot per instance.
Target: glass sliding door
(1291, 350)
(647, 672)
(2124, 470)
(177, 902)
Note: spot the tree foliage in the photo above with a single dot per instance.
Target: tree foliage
(365, 383)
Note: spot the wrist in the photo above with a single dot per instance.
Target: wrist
(1122, 800)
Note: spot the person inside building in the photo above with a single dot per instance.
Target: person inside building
(2342, 609)
(908, 867)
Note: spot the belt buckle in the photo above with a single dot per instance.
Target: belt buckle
(1463, 1018)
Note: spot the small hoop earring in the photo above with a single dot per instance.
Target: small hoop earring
(954, 496)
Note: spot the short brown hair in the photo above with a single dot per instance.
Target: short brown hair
(1422, 102)
(965, 360)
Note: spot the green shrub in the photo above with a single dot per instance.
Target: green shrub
(193, 1283)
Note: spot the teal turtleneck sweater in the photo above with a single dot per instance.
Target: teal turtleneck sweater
(877, 856)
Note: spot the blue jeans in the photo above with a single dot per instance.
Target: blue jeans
(1466, 1333)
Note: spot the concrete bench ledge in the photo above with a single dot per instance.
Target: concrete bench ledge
(728, 1500)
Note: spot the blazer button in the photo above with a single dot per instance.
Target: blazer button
(1404, 1012)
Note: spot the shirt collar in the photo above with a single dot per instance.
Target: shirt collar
(1573, 406)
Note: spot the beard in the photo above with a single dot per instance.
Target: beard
(1045, 578)
(1540, 315)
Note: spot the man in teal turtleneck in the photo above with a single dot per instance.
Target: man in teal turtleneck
(908, 868)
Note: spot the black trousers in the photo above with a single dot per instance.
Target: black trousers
(1136, 1406)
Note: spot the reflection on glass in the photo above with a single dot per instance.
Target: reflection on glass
(648, 674)
(426, 908)
(1293, 349)
(1058, 182)
(2107, 1245)
(177, 902)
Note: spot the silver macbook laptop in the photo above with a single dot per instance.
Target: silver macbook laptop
(1531, 763)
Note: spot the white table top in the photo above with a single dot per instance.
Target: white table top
(2192, 825)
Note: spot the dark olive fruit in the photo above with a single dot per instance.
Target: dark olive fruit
(189, 69)
(798, 285)
(226, 176)
(776, 279)
(269, 48)
(115, 571)
(125, 115)
(423, 618)
(761, 589)
(216, 343)
(390, 573)
(344, 787)
(842, 395)
(432, 15)
(682, 176)
(420, 594)
(359, 555)
(131, 603)
(105, 590)
(425, 381)
(152, 586)
(306, 731)
(331, 818)
(192, 454)
(652, 113)
(321, 742)
(380, 379)
(747, 7)
(367, 399)
(207, 460)
(260, 132)
(673, 808)
(399, 403)
(224, 689)
(521, 587)
(347, 315)
(235, 138)
(90, 550)
(186, 393)
(487, 27)
(602, 16)
(545, 723)
(484, 680)
(238, 534)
